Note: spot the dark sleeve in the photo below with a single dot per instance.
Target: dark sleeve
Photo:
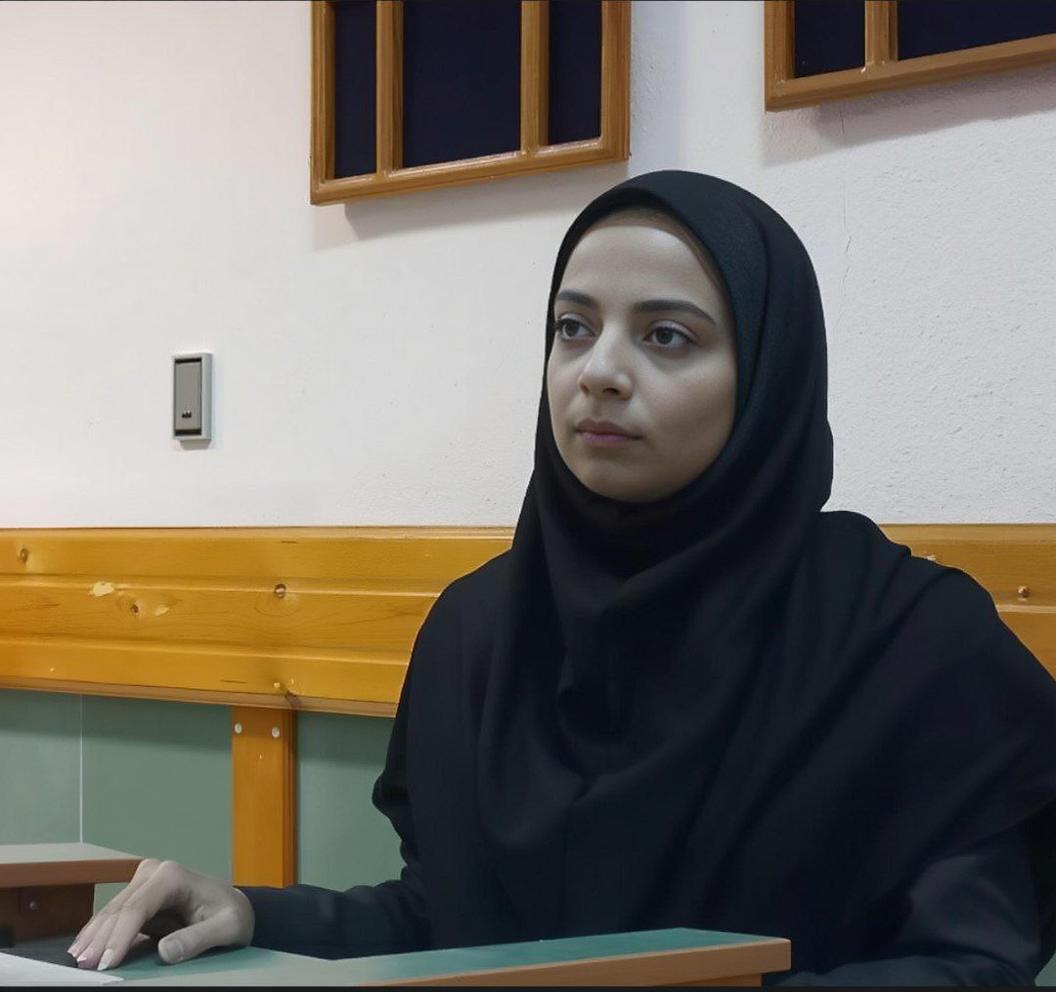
(972, 921)
(389, 918)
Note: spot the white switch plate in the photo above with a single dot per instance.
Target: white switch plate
(192, 397)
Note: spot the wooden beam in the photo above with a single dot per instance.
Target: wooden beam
(881, 37)
(263, 794)
(321, 166)
(389, 87)
(778, 45)
(616, 78)
(535, 74)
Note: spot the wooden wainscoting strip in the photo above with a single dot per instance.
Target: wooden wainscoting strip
(324, 618)
(259, 616)
(1016, 563)
(203, 672)
(360, 557)
(263, 796)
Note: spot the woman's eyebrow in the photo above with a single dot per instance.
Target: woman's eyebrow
(645, 306)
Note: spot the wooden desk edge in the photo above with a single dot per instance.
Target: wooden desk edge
(33, 873)
(687, 966)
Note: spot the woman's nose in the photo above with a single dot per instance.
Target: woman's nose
(606, 367)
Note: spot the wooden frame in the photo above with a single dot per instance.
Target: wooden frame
(882, 69)
(534, 155)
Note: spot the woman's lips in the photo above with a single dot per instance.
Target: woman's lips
(606, 440)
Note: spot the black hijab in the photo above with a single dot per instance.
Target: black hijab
(727, 709)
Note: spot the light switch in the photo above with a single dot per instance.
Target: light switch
(191, 396)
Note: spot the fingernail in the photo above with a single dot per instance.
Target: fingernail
(173, 951)
(72, 949)
(104, 962)
(82, 957)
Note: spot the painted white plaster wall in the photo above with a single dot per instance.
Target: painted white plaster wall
(380, 363)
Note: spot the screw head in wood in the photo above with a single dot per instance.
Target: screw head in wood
(280, 590)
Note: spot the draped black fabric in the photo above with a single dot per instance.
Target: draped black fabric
(728, 709)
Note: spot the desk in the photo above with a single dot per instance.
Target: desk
(651, 957)
(48, 889)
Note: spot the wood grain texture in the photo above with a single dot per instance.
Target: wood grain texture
(881, 35)
(324, 618)
(249, 616)
(778, 49)
(389, 86)
(321, 164)
(33, 913)
(263, 797)
(883, 70)
(616, 78)
(535, 74)
(44, 873)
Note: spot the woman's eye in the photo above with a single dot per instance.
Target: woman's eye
(668, 337)
(565, 328)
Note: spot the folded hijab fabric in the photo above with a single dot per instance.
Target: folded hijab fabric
(725, 709)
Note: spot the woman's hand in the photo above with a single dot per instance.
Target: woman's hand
(193, 912)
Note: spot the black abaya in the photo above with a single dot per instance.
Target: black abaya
(726, 709)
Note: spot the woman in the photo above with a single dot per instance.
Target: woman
(686, 696)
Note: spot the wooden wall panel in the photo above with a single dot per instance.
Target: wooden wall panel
(298, 618)
(324, 618)
(263, 797)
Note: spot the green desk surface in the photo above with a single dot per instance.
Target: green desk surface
(255, 966)
(21, 854)
(224, 966)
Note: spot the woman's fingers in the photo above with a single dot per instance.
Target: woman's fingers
(215, 931)
(162, 925)
(162, 900)
(112, 945)
(99, 952)
(144, 870)
(108, 944)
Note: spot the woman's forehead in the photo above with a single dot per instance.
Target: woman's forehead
(642, 217)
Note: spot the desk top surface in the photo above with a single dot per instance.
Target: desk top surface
(256, 966)
(25, 854)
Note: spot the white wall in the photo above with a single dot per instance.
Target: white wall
(380, 363)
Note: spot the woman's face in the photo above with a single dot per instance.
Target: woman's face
(644, 338)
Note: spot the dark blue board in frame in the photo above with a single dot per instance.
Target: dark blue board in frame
(461, 79)
(930, 27)
(355, 113)
(574, 111)
(829, 35)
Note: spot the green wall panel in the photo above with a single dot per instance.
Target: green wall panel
(342, 839)
(157, 782)
(40, 758)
